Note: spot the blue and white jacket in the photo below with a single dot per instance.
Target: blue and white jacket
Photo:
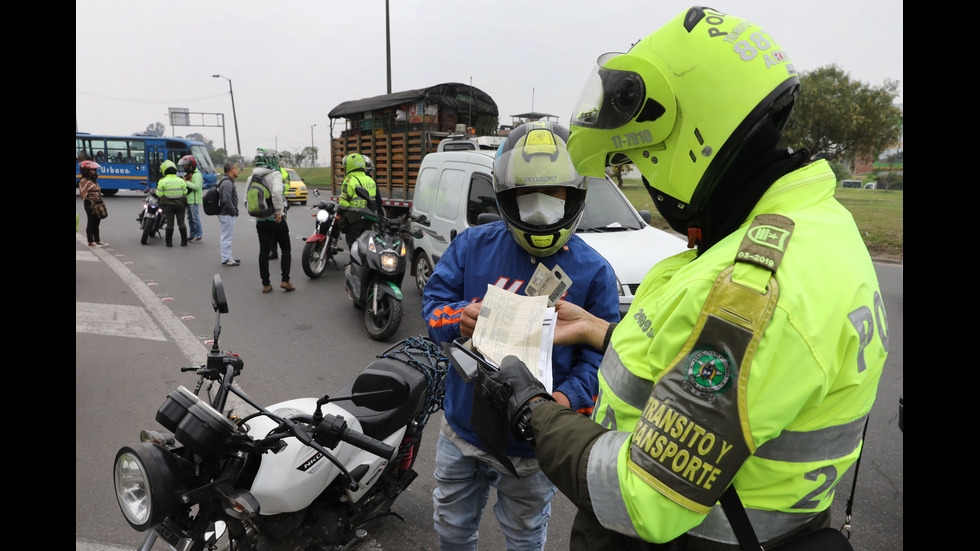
(487, 254)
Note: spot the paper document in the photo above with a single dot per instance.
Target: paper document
(514, 325)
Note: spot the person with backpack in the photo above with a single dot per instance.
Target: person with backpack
(172, 191)
(228, 202)
(266, 199)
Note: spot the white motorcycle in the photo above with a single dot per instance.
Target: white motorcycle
(304, 473)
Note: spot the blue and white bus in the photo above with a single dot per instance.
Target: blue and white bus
(133, 162)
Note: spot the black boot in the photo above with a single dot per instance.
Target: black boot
(170, 237)
(183, 237)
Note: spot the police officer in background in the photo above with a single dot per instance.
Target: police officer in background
(751, 362)
(352, 223)
(172, 191)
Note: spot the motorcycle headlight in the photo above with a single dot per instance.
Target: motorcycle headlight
(146, 483)
(321, 216)
(389, 261)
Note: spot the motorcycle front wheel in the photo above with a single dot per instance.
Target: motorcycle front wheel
(314, 258)
(147, 230)
(382, 323)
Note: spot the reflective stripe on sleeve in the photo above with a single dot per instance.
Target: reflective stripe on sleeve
(824, 444)
(627, 386)
(603, 479)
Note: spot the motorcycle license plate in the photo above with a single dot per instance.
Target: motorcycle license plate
(172, 538)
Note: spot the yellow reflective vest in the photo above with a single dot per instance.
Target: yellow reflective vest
(358, 178)
(172, 186)
(677, 413)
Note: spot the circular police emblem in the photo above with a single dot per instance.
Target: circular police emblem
(709, 373)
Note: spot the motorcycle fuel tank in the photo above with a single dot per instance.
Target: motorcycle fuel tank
(291, 479)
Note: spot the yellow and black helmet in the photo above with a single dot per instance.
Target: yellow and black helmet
(531, 163)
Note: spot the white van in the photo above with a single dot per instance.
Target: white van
(454, 189)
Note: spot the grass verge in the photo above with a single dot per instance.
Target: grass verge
(879, 214)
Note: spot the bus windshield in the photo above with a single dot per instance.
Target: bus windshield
(204, 163)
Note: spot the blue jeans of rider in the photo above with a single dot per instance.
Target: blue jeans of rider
(194, 227)
(227, 231)
(523, 505)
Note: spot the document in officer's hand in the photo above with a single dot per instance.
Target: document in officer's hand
(515, 325)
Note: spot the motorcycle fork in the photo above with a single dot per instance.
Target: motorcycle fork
(148, 541)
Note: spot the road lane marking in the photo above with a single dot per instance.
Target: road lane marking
(116, 320)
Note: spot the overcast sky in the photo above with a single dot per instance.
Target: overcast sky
(291, 61)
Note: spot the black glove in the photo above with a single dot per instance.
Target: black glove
(509, 391)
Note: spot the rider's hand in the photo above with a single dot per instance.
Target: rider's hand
(467, 320)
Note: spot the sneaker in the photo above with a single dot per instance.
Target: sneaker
(287, 286)
(267, 288)
(195, 240)
(94, 245)
(232, 262)
(101, 244)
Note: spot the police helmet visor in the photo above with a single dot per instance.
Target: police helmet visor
(610, 98)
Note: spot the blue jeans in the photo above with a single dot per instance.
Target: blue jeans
(194, 228)
(227, 231)
(523, 505)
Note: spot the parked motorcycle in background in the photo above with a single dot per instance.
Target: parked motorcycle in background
(323, 244)
(150, 217)
(306, 473)
(375, 272)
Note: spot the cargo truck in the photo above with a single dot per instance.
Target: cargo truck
(396, 131)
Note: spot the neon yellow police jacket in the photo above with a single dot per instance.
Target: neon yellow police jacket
(682, 417)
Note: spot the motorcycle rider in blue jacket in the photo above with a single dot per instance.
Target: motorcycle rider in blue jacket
(541, 198)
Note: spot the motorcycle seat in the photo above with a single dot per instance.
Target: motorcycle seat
(381, 424)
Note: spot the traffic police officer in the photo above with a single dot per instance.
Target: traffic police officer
(752, 361)
(353, 224)
(172, 190)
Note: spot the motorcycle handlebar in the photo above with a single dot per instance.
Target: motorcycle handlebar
(367, 443)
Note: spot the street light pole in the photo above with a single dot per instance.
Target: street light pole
(388, 43)
(233, 114)
(312, 146)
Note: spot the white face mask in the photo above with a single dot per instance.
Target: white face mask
(540, 209)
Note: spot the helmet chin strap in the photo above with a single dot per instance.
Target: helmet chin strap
(693, 237)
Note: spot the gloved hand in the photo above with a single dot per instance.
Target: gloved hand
(509, 391)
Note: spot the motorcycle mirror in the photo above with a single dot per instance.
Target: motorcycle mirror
(218, 301)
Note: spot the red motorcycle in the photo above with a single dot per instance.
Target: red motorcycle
(323, 244)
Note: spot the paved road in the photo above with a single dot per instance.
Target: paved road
(141, 312)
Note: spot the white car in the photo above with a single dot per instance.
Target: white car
(623, 236)
(454, 191)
